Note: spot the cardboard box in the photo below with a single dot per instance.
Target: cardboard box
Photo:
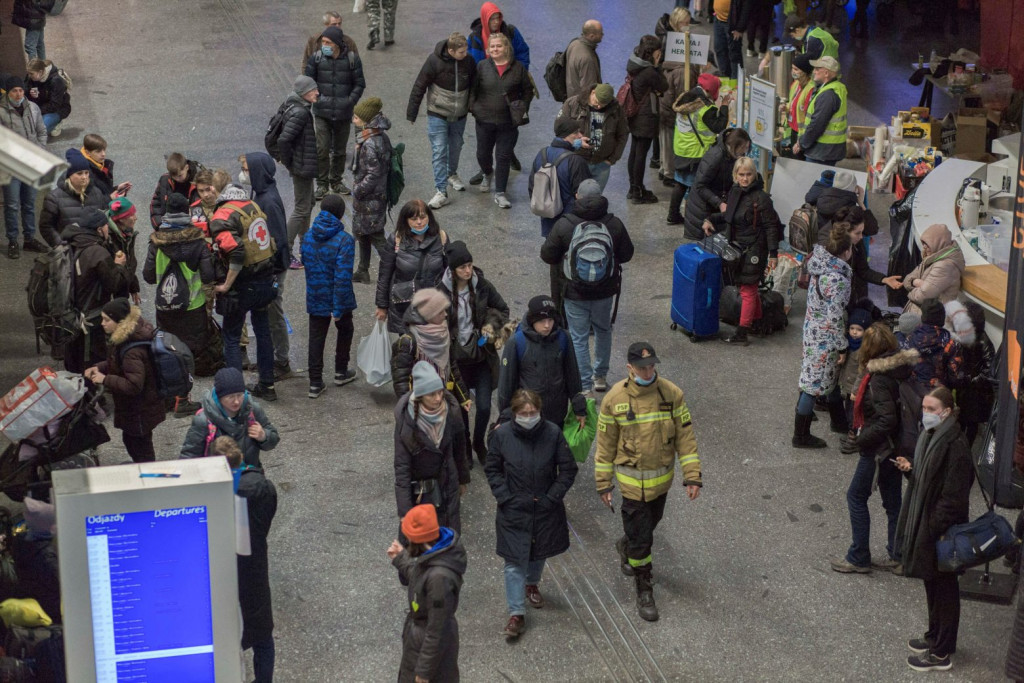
(986, 157)
(972, 130)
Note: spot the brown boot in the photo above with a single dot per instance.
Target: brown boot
(515, 626)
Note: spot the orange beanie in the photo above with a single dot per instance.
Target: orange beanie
(420, 524)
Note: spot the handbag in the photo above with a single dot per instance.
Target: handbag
(718, 244)
(580, 439)
(519, 111)
(427, 491)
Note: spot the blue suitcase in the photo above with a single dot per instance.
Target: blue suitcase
(696, 287)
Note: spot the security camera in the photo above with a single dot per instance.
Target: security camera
(28, 162)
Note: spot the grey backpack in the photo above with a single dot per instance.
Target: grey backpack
(546, 200)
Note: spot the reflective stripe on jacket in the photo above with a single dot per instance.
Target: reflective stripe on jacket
(689, 142)
(799, 101)
(640, 431)
(835, 132)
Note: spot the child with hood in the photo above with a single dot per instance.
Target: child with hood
(850, 373)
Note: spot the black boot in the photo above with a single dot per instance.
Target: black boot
(624, 566)
(837, 415)
(645, 593)
(644, 196)
(634, 191)
(802, 437)
(675, 217)
(739, 337)
(480, 449)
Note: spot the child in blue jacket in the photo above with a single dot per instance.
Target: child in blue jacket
(328, 253)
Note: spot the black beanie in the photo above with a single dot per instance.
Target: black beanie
(933, 313)
(15, 82)
(333, 204)
(541, 307)
(118, 309)
(93, 219)
(228, 381)
(177, 203)
(458, 254)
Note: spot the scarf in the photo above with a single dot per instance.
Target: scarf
(430, 422)
(98, 164)
(854, 344)
(432, 345)
(858, 402)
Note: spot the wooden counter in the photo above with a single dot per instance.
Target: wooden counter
(987, 284)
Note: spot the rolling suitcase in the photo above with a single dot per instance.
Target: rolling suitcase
(696, 286)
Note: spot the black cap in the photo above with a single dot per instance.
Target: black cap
(793, 22)
(641, 354)
(541, 307)
(177, 203)
(117, 309)
(93, 219)
(458, 254)
(564, 126)
(803, 62)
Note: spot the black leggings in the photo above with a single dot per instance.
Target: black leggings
(139, 447)
(378, 242)
(494, 146)
(638, 150)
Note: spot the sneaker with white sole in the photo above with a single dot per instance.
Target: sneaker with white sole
(343, 378)
(600, 384)
(438, 200)
(919, 646)
(929, 662)
(485, 183)
(315, 390)
(502, 201)
(456, 182)
(57, 130)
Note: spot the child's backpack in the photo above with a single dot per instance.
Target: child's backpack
(173, 363)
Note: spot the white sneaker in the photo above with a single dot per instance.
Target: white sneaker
(56, 131)
(485, 184)
(456, 182)
(502, 201)
(438, 200)
(750, 53)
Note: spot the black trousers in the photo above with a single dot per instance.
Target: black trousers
(639, 520)
(638, 150)
(494, 146)
(943, 594)
(139, 447)
(377, 241)
(319, 325)
(85, 350)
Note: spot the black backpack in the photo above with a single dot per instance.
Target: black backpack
(173, 363)
(274, 129)
(554, 76)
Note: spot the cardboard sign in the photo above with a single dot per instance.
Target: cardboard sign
(675, 48)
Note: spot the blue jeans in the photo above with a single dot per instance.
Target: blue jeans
(445, 147)
(263, 661)
(580, 316)
(517, 577)
(728, 52)
(805, 403)
(600, 172)
(51, 121)
(35, 48)
(19, 194)
(253, 298)
(890, 484)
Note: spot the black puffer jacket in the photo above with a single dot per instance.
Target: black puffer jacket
(64, 206)
(297, 142)
(830, 200)
(710, 186)
(167, 186)
(880, 434)
(370, 166)
(647, 86)
(30, 14)
(488, 309)
(404, 355)
(548, 366)
(254, 569)
(53, 96)
(341, 83)
(417, 459)
(412, 265)
(98, 278)
(976, 396)
(556, 245)
(530, 471)
(750, 220)
(446, 82)
(492, 93)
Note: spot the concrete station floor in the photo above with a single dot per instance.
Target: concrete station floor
(744, 586)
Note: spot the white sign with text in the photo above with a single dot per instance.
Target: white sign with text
(675, 48)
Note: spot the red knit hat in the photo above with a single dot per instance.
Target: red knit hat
(420, 524)
(711, 83)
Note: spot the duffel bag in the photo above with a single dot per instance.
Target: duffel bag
(968, 545)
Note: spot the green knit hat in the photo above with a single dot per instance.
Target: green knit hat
(604, 93)
(120, 208)
(368, 108)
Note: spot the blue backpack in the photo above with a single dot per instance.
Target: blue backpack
(173, 363)
(563, 342)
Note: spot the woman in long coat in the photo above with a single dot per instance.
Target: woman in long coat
(530, 469)
(824, 332)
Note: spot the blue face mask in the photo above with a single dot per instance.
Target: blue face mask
(577, 143)
(327, 50)
(236, 475)
(421, 231)
(17, 103)
(645, 383)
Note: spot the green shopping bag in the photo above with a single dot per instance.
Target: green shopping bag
(581, 438)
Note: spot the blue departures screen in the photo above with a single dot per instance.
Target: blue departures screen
(149, 580)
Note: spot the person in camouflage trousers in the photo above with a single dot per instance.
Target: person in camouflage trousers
(376, 10)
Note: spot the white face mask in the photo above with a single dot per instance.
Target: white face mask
(528, 422)
(243, 178)
(931, 420)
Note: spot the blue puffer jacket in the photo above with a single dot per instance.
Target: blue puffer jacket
(328, 253)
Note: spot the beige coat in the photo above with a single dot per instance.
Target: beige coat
(940, 273)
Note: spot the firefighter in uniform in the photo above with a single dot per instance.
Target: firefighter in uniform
(643, 426)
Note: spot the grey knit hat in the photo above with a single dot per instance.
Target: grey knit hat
(425, 379)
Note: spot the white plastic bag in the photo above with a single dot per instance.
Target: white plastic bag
(373, 356)
(41, 397)
(359, 6)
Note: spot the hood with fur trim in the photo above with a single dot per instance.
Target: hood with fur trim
(133, 325)
(898, 363)
(959, 324)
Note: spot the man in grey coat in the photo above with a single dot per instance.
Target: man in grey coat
(582, 65)
(24, 118)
